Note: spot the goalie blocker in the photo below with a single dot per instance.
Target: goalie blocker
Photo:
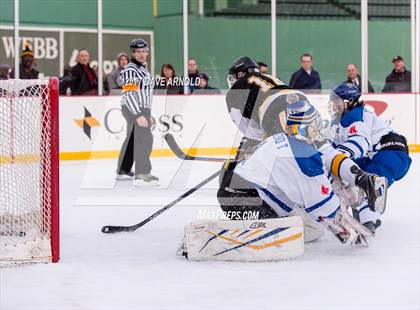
(252, 241)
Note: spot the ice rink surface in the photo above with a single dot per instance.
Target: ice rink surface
(139, 270)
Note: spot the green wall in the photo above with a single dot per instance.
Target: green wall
(216, 42)
(387, 39)
(333, 44)
(82, 13)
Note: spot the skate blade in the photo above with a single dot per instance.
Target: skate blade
(381, 186)
(143, 184)
(123, 177)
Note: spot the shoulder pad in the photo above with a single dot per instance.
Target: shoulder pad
(307, 157)
(352, 116)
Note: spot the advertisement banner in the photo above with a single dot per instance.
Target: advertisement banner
(44, 44)
(55, 48)
(93, 127)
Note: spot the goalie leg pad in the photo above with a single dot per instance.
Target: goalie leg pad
(313, 230)
(253, 241)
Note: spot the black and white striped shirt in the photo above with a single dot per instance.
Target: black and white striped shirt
(137, 88)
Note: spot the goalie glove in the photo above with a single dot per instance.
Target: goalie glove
(352, 195)
(339, 229)
(346, 228)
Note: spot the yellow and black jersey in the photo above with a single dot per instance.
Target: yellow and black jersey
(257, 104)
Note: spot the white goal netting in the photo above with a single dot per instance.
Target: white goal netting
(26, 202)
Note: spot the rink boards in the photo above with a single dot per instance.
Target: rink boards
(93, 127)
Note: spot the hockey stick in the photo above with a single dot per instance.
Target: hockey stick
(356, 214)
(113, 229)
(180, 153)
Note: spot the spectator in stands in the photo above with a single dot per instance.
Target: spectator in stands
(306, 77)
(4, 72)
(105, 89)
(122, 61)
(168, 83)
(263, 67)
(203, 85)
(66, 81)
(192, 73)
(399, 80)
(85, 80)
(353, 76)
(25, 68)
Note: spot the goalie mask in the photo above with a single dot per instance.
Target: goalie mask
(240, 68)
(343, 98)
(303, 121)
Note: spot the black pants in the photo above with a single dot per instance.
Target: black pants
(245, 149)
(237, 195)
(137, 146)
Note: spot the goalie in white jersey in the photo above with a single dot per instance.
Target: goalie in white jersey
(362, 136)
(286, 174)
(284, 181)
(257, 104)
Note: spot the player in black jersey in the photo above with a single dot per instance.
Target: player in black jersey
(256, 101)
(257, 104)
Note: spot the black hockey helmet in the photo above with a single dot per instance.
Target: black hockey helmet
(240, 67)
(139, 43)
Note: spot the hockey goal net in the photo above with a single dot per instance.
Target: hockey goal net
(29, 168)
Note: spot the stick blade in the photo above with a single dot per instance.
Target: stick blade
(114, 229)
(174, 146)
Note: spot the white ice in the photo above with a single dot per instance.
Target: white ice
(139, 270)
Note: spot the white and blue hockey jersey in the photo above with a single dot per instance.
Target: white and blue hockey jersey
(358, 133)
(289, 173)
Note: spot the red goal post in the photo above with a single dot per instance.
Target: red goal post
(29, 171)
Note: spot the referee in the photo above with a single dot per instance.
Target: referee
(137, 87)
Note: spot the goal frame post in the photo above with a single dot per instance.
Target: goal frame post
(55, 168)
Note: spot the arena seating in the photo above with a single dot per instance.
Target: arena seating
(321, 9)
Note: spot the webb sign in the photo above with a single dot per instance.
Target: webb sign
(55, 48)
